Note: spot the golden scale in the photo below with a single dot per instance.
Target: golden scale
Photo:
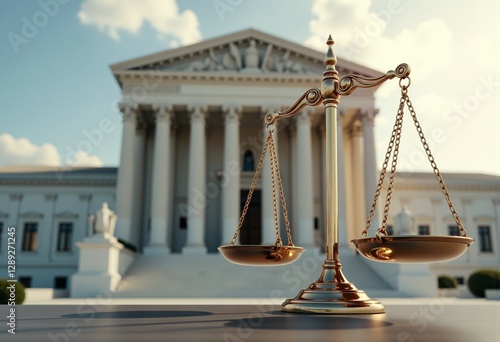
(332, 293)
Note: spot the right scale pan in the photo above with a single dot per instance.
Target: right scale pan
(412, 248)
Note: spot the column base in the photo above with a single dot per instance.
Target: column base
(156, 250)
(332, 294)
(194, 249)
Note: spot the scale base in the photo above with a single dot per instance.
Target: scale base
(332, 294)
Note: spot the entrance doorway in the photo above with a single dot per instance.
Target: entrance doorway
(250, 233)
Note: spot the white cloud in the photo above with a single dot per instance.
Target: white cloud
(81, 158)
(112, 16)
(361, 37)
(21, 151)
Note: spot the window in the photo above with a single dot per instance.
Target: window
(60, 282)
(389, 229)
(460, 280)
(423, 229)
(248, 161)
(485, 239)
(453, 230)
(26, 281)
(64, 236)
(30, 236)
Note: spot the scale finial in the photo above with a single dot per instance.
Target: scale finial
(330, 75)
(330, 58)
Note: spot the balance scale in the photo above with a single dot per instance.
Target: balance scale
(332, 293)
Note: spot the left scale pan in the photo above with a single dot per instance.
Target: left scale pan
(261, 255)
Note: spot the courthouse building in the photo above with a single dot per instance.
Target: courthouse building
(193, 132)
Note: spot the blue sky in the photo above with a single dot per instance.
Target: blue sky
(57, 87)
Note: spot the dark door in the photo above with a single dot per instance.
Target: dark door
(250, 233)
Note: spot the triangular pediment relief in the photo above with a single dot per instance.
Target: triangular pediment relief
(248, 51)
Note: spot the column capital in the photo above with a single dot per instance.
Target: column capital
(197, 113)
(50, 197)
(163, 111)
(368, 115)
(129, 111)
(232, 113)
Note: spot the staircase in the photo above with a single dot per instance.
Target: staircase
(211, 276)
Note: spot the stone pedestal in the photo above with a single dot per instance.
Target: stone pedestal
(103, 260)
(98, 266)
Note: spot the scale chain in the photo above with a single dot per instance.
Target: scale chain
(434, 167)
(250, 192)
(282, 195)
(273, 182)
(384, 170)
(270, 147)
(394, 145)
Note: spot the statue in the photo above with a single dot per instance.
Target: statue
(404, 223)
(252, 56)
(103, 221)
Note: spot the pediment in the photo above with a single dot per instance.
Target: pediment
(249, 52)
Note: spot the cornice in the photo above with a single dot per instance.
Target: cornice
(52, 182)
(209, 77)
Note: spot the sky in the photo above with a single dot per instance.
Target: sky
(59, 98)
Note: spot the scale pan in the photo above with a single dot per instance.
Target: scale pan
(261, 255)
(413, 249)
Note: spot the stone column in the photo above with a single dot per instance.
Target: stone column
(370, 163)
(158, 242)
(46, 233)
(125, 179)
(172, 165)
(358, 176)
(268, 231)
(196, 183)
(231, 173)
(304, 229)
(138, 202)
